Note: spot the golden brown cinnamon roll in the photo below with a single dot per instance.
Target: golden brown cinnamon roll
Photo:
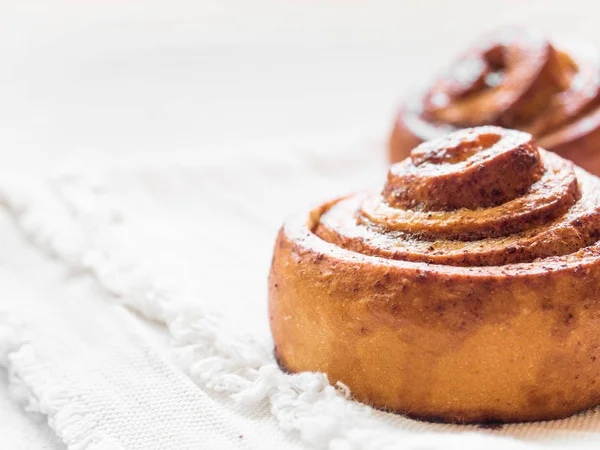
(467, 290)
(516, 79)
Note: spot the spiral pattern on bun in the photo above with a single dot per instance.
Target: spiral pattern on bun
(467, 290)
(517, 79)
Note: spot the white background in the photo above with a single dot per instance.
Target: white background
(141, 77)
(147, 76)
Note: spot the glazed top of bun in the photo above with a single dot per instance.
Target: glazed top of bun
(483, 196)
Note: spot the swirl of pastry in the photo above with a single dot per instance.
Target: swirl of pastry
(467, 290)
(513, 78)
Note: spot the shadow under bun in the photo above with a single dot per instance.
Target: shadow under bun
(467, 290)
(517, 79)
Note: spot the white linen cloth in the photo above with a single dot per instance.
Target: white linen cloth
(137, 310)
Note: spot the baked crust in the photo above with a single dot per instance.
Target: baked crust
(458, 328)
(513, 78)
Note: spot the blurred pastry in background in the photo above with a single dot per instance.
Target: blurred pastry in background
(518, 79)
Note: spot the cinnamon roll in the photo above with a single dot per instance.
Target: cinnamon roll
(466, 290)
(517, 79)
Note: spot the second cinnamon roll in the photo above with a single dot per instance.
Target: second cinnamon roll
(467, 290)
(518, 79)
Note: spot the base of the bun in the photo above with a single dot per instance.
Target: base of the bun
(484, 419)
(438, 343)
